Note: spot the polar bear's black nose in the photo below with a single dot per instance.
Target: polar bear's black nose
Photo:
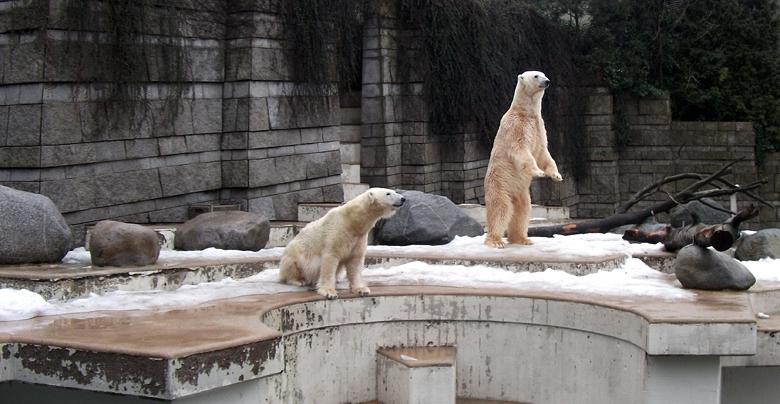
(545, 83)
(401, 202)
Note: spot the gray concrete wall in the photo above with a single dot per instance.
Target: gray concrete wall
(657, 147)
(398, 148)
(245, 133)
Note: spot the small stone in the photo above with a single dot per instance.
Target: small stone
(120, 244)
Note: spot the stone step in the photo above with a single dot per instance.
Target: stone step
(416, 375)
(540, 215)
(349, 133)
(281, 233)
(351, 190)
(73, 280)
(198, 208)
(350, 153)
(766, 299)
(350, 173)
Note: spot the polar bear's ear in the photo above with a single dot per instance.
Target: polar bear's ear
(370, 195)
(519, 77)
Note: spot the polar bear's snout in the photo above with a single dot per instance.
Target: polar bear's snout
(394, 199)
(544, 83)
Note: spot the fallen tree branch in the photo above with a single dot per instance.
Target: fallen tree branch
(691, 193)
(719, 236)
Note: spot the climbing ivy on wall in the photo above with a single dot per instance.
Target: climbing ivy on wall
(718, 60)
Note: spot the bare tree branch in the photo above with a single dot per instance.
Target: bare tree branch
(693, 192)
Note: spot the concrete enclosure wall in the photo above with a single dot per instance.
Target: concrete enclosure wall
(245, 133)
(652, 146)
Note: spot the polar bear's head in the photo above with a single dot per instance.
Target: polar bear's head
(387, 199)
(533, 81)
(529, 91)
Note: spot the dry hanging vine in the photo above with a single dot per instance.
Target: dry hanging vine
(468, 55)
(125, 52)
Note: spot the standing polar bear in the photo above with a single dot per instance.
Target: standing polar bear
(336, 242)
(519, 155)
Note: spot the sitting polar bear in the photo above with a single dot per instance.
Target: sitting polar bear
(336, 242)
(519, 155)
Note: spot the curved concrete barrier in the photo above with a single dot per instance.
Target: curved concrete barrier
(539, 347)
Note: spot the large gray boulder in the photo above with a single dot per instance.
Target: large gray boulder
(425, 219)
(227, 230)
(761, 244)
(32, 229)
(123, 244)
(707, 269)
(682, 217)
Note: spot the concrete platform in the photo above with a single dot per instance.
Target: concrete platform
(279, 340)
(511, 346)
(71, 281)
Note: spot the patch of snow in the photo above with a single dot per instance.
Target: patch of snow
(634, 278)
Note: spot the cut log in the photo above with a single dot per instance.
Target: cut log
(719, 236)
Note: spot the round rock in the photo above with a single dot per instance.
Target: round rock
(426, 219)
(120, 244)
(32, 229)
(761, 244)
(707, 269)
(227, 230)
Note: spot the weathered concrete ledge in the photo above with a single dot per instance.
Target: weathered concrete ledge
(275, 338)
(286, 347)
(71, 281)
(164, 355)
(531, 263)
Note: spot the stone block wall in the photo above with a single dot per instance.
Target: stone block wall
(381, 118)
(242, 131)
(657, 147)
(398, 148)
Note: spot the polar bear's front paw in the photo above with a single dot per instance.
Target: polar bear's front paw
(295, 282)
(556, 177)
(540, 174)
(329, 293)
(521, 241)
(495, 243)
(361, 290)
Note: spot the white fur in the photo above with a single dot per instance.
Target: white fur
(337, 242)
(519, 155)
